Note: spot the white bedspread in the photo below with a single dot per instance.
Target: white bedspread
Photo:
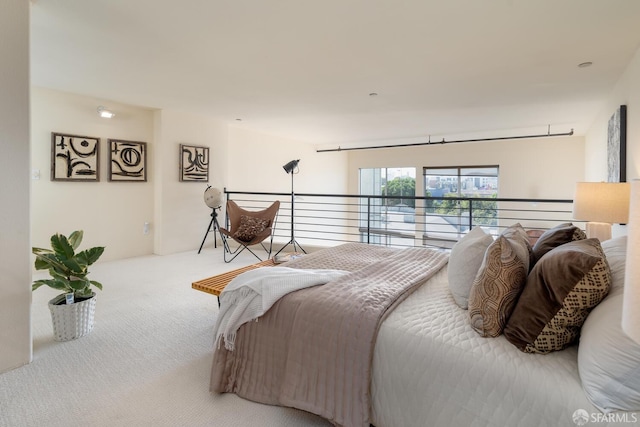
(431, 369)
(250, 294)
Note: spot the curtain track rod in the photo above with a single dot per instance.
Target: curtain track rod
(415, 144)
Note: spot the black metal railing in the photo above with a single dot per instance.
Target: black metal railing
(331, 219)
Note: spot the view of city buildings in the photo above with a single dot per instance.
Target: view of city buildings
(463, 182)
(442, 220)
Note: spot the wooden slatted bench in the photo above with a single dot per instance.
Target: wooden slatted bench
(215, 284)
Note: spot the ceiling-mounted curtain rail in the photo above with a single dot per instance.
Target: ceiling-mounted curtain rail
(429, 142)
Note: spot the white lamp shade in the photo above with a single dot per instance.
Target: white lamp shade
(631, 304)
(602, 202)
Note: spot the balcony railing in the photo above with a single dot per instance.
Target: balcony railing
(330, 219)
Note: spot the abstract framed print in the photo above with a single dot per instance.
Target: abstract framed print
(194, 163)
(617, 146)
(127, 160)
(74, 157)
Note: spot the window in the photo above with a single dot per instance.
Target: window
(390, 220)
(447, 219)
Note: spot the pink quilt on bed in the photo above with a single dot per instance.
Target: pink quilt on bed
(313, 349)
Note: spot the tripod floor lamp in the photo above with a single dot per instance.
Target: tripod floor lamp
(292, 168)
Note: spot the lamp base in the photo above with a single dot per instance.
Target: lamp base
(295, 245)
(599, 230)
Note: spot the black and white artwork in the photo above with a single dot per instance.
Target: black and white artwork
(194, 163)
(617, 146)
(127, 160)
(74, 157)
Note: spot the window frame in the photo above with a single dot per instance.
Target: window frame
(463, 216)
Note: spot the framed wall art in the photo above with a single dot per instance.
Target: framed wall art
(74, 157)
(194, 163)
(617, 146)
(127, 160)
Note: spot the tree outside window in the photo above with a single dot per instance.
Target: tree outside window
(469, 182)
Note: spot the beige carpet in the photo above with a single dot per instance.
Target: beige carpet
(147, 361)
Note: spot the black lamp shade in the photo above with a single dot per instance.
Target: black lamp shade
(289, 167)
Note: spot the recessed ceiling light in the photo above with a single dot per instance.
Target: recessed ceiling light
(585, 64)
(373, 94)
(105, 113)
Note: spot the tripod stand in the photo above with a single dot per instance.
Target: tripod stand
(213, 226)
(289, 168)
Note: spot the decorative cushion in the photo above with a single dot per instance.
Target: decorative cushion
(562, 288)
(499, 282)
(616, 252)
(554, 237)
(250, 227)
(534, 235)
(608, 360)
(464, 263)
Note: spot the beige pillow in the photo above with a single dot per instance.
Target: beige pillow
(499, 282)
(608, 360)
(464, 262)
(561, 289)
(616, 252)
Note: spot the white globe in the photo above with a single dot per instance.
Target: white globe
(212, 197)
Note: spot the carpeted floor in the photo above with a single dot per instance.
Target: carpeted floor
(147, 361)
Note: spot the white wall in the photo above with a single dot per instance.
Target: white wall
(256, 161)
(15, 272)
(626, 92)
(240, 160)
(255, 164)
(545, 168)
(111, 214)
(180, 214)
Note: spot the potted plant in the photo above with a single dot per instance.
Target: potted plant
(72, 312)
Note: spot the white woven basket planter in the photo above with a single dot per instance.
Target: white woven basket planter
(73, 320)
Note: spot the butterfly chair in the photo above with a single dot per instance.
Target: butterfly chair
(248, 228)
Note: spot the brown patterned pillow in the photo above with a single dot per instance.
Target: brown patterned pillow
(516, 233)
(560, 292)
(554, 237)
(499, 281)
(250, 227)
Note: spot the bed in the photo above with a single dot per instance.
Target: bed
(427, 366)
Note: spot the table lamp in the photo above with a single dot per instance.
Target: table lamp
(631, 302)
(601, 204)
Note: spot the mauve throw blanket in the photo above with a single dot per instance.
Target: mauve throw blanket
(313, 349)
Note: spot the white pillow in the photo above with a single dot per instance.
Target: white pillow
(616, 252)
(608, 360)
(464, 263)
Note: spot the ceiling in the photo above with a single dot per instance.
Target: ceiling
(304, 69)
